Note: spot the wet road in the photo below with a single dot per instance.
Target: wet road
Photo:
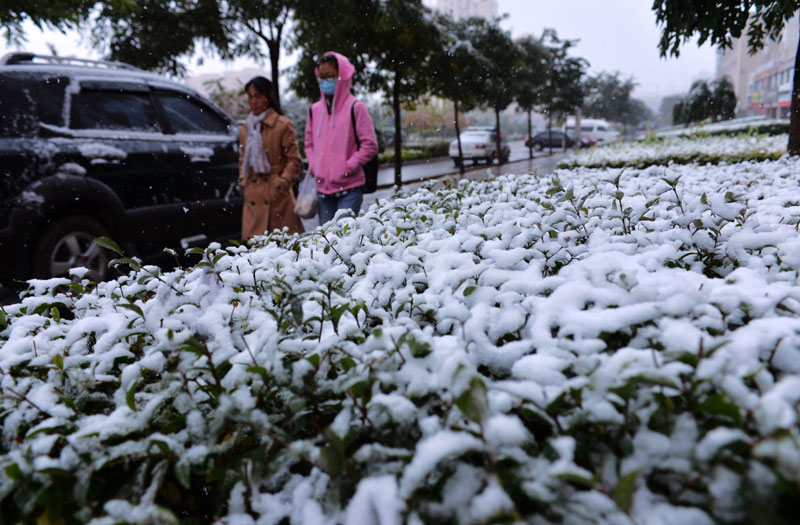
(438, 167)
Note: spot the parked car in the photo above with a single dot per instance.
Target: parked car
(554, 138)
(597, 130)
(94, 148)
(480, 145)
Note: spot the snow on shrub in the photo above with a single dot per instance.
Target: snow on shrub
(681, 150)
(601, 346)
(749, 125)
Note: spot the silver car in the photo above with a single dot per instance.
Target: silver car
(480, 145)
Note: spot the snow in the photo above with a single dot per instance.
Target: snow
(99, 152)
(521, 342)
(680, 150)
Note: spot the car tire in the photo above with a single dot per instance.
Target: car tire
(457, 163)
(68, 243)
(538, 146)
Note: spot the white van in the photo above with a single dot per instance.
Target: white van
(596, 130)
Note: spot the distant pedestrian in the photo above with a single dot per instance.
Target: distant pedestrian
(335, 157)
(269, 161)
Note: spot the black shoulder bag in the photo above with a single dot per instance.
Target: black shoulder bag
(371, 167)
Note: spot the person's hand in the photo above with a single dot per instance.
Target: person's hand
(283, 184)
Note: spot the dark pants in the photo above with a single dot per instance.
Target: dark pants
(330, 204)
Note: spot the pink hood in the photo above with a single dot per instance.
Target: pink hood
(330, 144)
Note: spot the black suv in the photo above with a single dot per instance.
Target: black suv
(91, 148)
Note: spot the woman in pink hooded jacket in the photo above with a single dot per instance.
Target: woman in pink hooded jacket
(335, 157)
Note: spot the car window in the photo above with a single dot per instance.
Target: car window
(476, 135)
(16, 107)
(187, 115)
(585, 128)
(112, 110)
(51, 100)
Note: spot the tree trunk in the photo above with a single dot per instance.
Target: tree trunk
(458, 139)
(550, 133)
(398, 132)
(794, 124)
(530, 136)
(275, 55)
(497, 151)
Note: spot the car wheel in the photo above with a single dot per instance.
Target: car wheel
(538, 146)
(69, 243)
(457, 163)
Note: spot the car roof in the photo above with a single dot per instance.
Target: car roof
(83, 69)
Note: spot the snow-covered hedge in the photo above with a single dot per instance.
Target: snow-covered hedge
(681, 150)
(597, 347)
(750, 125)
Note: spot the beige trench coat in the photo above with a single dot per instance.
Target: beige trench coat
(268, 198)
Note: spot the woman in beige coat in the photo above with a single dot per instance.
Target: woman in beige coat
(269, 162)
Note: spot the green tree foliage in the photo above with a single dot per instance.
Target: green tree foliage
(501, 62)
(706, 102)
(723, 100)
(608, 96)
(719, 21)
(456, 69)
(45, 13)
(698, 102)
(530, 82)
(677, 112)
(564, 89)
(159, 34)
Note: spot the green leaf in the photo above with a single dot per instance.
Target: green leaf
(314, 359)
(623, 492)
(55, 314)
(719, 405)
(183, 473)
(133, 308)
(3, 320)
(704, 199)
(260, 370)
(58, 360)
(133, 263)
(108, 244)
(162, 446)
(469, 290)
(347, 363)
(13, 471)
(130, 396)
(474, 403)
(336, 314)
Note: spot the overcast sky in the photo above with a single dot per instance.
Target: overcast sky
(614, 35)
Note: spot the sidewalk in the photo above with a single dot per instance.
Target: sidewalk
(542, 165)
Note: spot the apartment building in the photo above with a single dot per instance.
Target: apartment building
(465, 8)
(763, 81)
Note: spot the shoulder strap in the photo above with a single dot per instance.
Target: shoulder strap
(310, 114)
(353, 120)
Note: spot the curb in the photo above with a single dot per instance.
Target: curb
(457, 172)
